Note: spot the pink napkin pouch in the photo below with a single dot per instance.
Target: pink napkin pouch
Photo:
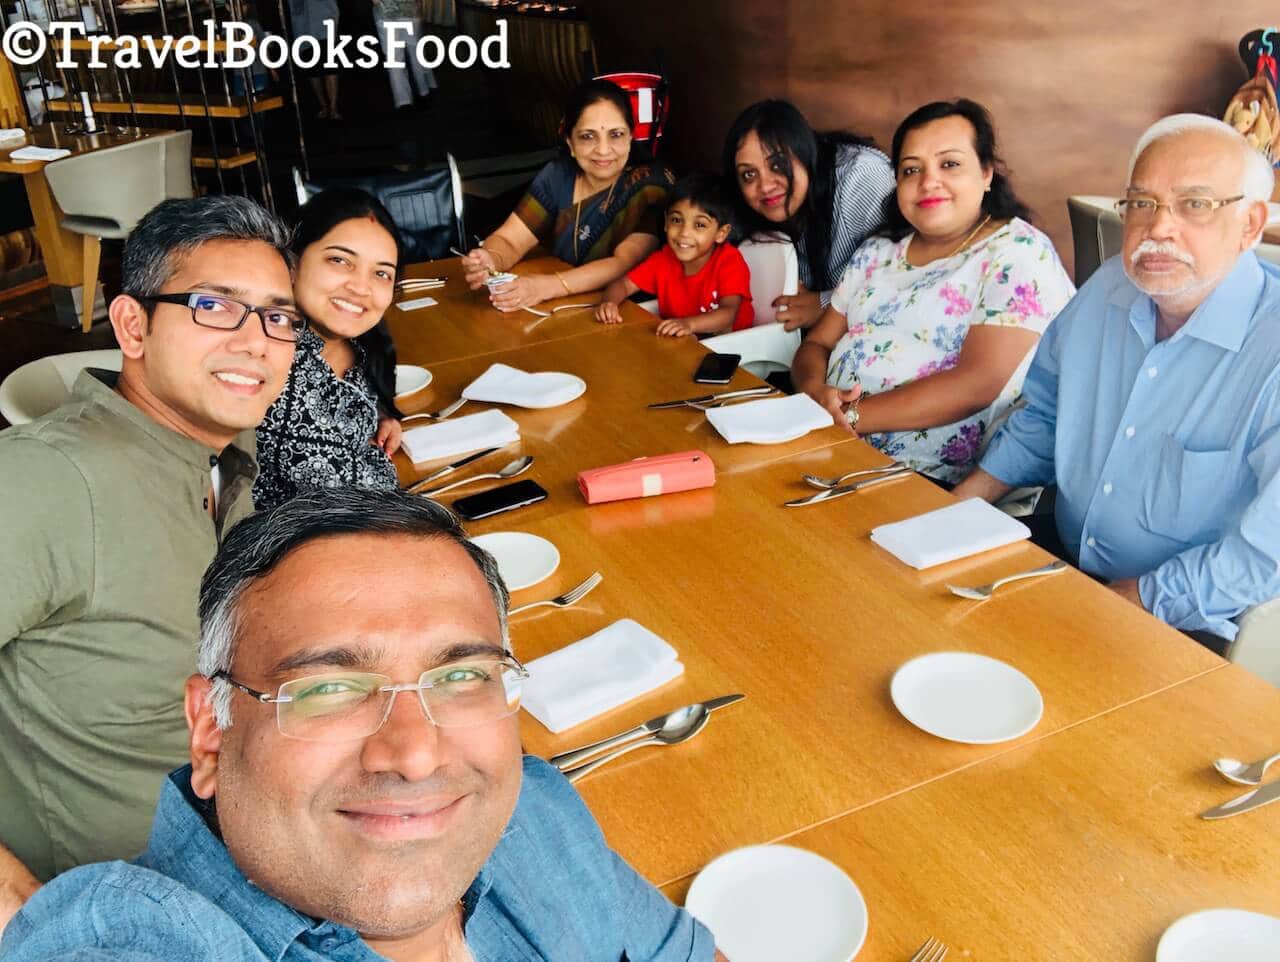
(645, 477)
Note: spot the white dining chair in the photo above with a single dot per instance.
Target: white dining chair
(765, 349)
(775, 270)
(40, 386)
(1257, 645)
(141, 174)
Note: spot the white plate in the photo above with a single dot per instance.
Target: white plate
(523, 559)
(966, 698)
(1221, 935)
(772, 902)
(410, 379)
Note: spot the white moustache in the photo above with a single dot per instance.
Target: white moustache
(1163, 248)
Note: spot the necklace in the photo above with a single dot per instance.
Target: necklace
(972, 234)
(577, 213)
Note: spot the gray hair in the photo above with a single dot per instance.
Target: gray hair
(1257, 180)
(174, 228)
(255, 546)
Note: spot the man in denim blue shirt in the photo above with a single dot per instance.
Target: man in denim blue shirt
(1154, 397)
(336, 819)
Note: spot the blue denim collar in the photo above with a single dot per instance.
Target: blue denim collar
(183, 847)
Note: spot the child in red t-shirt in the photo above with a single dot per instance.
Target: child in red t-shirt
(702, 284)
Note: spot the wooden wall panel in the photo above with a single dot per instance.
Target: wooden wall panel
(1071, 84)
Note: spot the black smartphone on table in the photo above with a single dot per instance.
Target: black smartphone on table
(508, 497)
(717, 368)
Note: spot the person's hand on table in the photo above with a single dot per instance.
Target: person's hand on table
(608, 313)
(674, 327)
(389, 435)
(800, 310)
(524, 292)
(837, 401)
(476, 266)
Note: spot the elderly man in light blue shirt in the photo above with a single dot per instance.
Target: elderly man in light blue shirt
(1153, 401)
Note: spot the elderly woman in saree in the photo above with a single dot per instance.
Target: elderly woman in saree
(596, 207)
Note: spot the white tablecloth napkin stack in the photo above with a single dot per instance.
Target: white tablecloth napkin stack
(598, 673)
(770, 421)
(503, 384)
(955, 531)
(488, 429)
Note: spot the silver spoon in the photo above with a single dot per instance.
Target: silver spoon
(518, 466)
(680, 727)
(1242, 773)
(828, 483)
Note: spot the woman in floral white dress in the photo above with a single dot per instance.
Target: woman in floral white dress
(933, 324)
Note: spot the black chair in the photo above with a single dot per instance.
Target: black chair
(426, 205)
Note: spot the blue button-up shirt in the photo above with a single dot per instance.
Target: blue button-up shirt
(551, 890)
(1166, 455)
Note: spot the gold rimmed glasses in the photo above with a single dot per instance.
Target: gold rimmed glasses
(1191, 208)
(339, 706)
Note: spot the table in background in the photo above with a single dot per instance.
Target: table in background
(62, 250)
(797, 609)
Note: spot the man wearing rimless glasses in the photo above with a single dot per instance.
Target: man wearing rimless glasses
(113, 506)
(356, 788)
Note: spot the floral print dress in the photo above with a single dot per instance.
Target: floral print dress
(909, 322)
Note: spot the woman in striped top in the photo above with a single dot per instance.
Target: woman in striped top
(825, 191)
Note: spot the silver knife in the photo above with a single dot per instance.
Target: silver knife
(449, 469)
(702, 399)
(844, 489)
(566, 759)
(1247, 802)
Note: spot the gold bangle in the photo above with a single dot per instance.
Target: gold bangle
(563, 283)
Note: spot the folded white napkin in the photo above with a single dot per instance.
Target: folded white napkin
(39, 153)
(955, 531)
(502, 384)
(600, 672)
(770, 421)
(488, 429)
(12, 134)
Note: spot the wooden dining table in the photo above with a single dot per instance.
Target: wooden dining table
(61, 250)
(1079, 840)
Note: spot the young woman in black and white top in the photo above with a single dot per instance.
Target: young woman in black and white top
(826, 192)
(336, 422)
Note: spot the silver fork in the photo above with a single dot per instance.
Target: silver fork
(983, 592)
(827, 483)
(566, 600)
(438, 415)
(931, 951)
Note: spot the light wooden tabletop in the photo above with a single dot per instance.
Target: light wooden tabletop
(1086, 845)
(625, 367)
(463, 324)
(798, 610)
(55, 135)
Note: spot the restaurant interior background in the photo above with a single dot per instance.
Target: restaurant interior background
(1070, 87)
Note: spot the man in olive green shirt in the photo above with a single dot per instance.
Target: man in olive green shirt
(112, 507)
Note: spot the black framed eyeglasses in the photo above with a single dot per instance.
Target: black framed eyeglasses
(226, 314)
